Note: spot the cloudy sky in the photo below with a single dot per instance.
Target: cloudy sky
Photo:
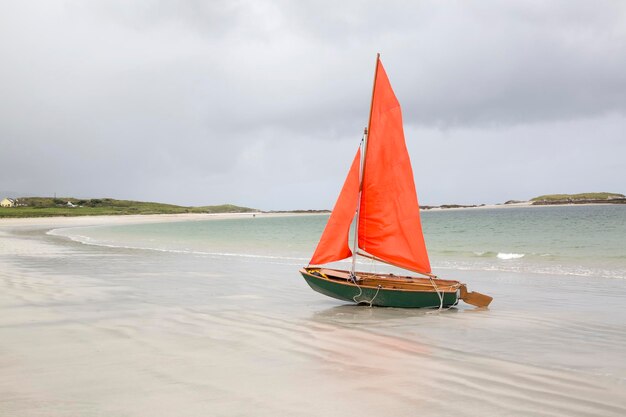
(262, 103)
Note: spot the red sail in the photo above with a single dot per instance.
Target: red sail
(389, 220)
(333, 245)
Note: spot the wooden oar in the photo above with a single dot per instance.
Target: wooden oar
(475, 298)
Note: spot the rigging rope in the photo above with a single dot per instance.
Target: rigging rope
(438, 293)
(370, 302)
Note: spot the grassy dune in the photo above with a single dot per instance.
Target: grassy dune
(46, 207)
(579, 198)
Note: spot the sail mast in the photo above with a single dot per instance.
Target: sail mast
(363, 156)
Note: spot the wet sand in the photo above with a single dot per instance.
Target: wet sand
(94, 331)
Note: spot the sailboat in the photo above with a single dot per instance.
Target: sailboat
(379, 196)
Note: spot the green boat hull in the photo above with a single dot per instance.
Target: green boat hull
(381, 297)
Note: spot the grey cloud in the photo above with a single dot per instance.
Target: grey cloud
(263, 103)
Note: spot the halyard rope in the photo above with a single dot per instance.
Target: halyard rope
(438, 293)
(370, 302)
(375, 295)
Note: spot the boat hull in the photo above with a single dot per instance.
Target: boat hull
(379, 295)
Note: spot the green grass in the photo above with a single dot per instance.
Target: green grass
(581, 196)
(223, 208)
(47, 207)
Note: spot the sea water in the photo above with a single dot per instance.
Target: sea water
(585, 241)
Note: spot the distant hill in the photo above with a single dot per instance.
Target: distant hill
(583, 198)
(223, 208)
(48, 206)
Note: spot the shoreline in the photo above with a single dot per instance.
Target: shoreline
(87, 220)
(78, 221)
(525, 204)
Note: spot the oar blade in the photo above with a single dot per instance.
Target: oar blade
(476, 299)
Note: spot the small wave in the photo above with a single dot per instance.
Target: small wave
(499, 255)
(532, 268)
(484, 254)
(506, 256)
(85, 240)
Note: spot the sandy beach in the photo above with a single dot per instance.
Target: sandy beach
(96, 331)
(128, 219)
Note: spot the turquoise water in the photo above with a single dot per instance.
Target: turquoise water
(580, 240)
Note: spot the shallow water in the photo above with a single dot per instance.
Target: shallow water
(89, 330)
(578, 241)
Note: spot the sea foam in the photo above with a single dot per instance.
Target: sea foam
(507, 256)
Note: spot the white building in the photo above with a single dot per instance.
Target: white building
(7, 202)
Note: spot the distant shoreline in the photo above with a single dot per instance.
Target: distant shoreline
(526, 204)
(114, 219)
(121, 219)
(581, 199)
(51, 208)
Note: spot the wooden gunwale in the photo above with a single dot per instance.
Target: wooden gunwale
(386, 281)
